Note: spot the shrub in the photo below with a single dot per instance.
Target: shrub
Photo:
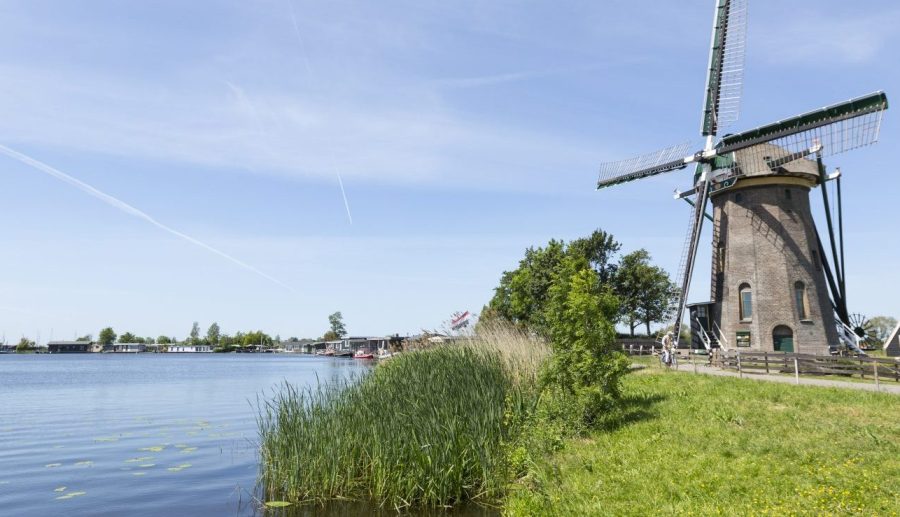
(584, 362)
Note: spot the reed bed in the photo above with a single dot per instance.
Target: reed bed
(427, 428)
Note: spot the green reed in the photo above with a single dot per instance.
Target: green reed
(426, 428)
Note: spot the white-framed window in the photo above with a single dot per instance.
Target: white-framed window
(746, 302)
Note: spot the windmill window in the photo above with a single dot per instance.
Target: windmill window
(800, 298)
(746, 302)
(787, 193)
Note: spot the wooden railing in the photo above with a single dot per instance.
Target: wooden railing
(807, 364)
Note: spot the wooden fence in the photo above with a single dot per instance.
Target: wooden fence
(877, 369)
(640, 347)
(808, 364)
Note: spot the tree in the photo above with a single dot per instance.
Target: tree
(213, 334)
(644, 291)
(336, 321)
(25, 345)
(598, 249)
(107, 336)
(256, 337)
(149, 340)
(195, 334)
(330, 335)
(882, 326)
(523, 294)
(86, 337)
(127, 337)
(163, 340)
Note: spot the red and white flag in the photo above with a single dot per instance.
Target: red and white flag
(460, 320)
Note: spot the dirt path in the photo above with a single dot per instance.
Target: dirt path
(884, 387)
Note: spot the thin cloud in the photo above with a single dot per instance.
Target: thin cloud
(490, 80)
(130, 210)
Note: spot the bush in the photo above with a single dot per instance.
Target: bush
(584, 363)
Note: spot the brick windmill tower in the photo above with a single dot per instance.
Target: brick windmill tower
(773, 285)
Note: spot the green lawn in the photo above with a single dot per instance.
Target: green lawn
(701, 445)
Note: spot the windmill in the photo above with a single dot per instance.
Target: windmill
(769, 267)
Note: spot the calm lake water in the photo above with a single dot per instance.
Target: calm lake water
(136, 435)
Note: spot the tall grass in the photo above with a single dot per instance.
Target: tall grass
(426, 428)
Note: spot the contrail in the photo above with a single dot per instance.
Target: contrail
(309, 72)
(128, 209)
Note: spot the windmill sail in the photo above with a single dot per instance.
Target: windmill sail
(835, 129)
(688, 255)
(725, 78)
(644, 166)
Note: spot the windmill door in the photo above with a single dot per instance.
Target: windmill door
(783, 339)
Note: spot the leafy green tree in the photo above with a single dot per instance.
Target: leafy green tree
(127, 337)
(107, 336)
(644, 291)
(523, 294)
(25, 345)
(882, 326)
(149, 340)
(213, 334)
(330, 335)
(163, 340)
(195, 334)
(598, 249)
(86, 337)
(336, 321)
(585, 362)
(256, 337)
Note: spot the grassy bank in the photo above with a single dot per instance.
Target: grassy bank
(699, 445)
(428, 428)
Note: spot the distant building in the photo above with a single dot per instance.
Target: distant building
(300, 347)
(129, 348)
(181, 348)
(892, 345)
(69, 347)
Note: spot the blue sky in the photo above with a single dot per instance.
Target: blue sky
(463, 132)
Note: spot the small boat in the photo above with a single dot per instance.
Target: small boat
(363, 355)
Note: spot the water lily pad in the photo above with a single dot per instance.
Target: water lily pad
(59, 489)
(53, 465)
(188, 450)
(155, 448)
(138, 473)
(179, 468)
(138, 460)
(180, 446)
(147, 465)
(106, 439)
(87, 463)
(278, 504)
(70, 495)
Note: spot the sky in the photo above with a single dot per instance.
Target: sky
(264, 164)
